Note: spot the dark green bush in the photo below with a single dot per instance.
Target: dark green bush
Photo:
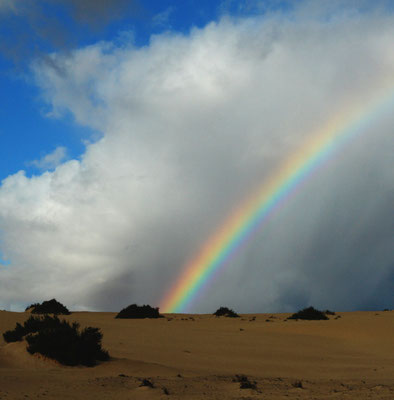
(226, 312)
(309, 313)
(60, 340)
(15, 335)
(31, 325)
(49, 307)
(135, 311)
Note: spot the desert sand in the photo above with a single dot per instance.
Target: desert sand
(199, 356)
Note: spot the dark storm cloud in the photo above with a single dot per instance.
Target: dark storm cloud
(34, 27)
(113, 294)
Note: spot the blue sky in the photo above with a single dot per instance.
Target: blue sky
(141, 125)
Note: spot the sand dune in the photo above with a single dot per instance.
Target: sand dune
(199, 356)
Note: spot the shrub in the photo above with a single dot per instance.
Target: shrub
(309, 313)
(60, 340)
(49, 307)
(165, 391)
(298, 384)
(31, 325)
(16, 335)
(147, 382)
(226, 312)
(244, 382)
(139, 312)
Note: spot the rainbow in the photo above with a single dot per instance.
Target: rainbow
(273, 193)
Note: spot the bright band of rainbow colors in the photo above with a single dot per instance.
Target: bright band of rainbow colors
(250, 216)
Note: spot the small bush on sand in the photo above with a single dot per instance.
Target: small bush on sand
(135, 311)
(298, 384)
(244, 382)
(309, 313)
(60, 340)
(225, 312)
(49, 307)
(147, 382)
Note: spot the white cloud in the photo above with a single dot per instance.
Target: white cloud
(51, 160)
(191, 124)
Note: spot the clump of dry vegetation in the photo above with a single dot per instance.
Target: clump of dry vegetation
(309, 313)
(244, 382)
(139, 312)
(225, 312)
(60, 340)
(48, 307)
(298, 385)
(147, 382)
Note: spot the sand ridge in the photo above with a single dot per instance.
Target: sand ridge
(199, 356)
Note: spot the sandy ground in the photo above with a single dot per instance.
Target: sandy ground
(199, 356)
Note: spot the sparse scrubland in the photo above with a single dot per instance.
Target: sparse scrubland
(199, 356)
